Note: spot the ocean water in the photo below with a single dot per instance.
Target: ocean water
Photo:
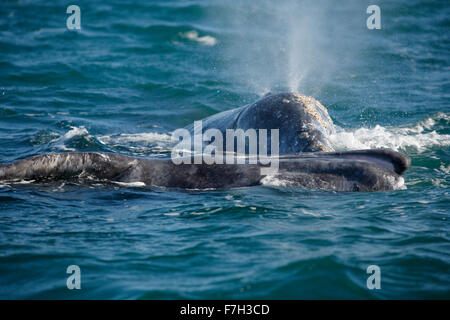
(137, 70)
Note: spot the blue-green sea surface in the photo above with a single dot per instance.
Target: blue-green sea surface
(138, 70)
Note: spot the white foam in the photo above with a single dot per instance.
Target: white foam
(139, 143)
(440, 177)
(145, 138)
(445, 169)
(420, 136)
(439, 183)
(397, 183)
(205, 40)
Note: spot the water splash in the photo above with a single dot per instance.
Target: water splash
(418, 137)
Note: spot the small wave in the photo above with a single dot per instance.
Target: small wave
(420, 136)
(63, 141)
(75, 131)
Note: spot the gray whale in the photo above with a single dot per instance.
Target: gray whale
(306, 160)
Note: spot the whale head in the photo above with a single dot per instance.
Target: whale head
(303, 122)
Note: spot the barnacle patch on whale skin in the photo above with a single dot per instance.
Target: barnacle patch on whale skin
(318, 146)
(315, 145)
(316, 135)
(311, 106)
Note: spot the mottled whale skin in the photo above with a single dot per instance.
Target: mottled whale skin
(306, 159)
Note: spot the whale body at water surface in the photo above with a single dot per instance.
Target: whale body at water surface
(306, 160)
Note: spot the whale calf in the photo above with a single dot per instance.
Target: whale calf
(306, 160)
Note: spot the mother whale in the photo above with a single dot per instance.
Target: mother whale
(306, 159)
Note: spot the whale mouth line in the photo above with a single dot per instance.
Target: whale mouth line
(387, 159)
(384, 158)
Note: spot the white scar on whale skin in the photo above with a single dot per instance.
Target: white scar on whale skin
(17, 182)
(130, 184)
(133, 163)
(273, 180)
